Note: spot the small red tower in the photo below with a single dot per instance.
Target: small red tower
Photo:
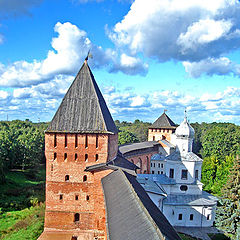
(82, 133)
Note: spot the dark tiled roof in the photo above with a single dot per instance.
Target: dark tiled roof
(163, 122)
(83, 108)
(158, 178)
(118, 162)
(137, 146)
(131, 214)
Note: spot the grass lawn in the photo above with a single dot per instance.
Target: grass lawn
(21, 207)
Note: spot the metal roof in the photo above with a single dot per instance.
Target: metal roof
(130, 212)
(158, 178)
(83, 108)
(163, 122)
(157, 157)
(189, 156)
(168, 144)
(205, 199)
(151, 186)
(137, 146)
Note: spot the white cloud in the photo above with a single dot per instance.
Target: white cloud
(3, 94)
(188, 31)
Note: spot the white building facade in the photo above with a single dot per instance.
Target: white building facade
(178, 174)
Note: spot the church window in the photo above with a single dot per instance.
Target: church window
(55, 156)
(65, 156)
(161, 165)
(161, 172)
(86, 157)
(55, 140)
(191, 217)
(153, 138)
(180, 216)
(84, 178)
(76, 156)
(171, 173)
(86, 141)
(65, 140)
(76, 197)
(196, 174)
(76, 140)
(74, 238)
(184, 175)
(158, 172)
(96, 157)
(76, 217)
(152, 172)
(67, 178)
(87, 198)
(209, 217)
(184, 188)
(61, 197)
(96, 141)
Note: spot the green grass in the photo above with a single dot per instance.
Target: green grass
(21, 210)
(22, 225)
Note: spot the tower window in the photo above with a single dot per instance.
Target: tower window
(87, 198)
(171, 173)
(76, 217)
(74, 238)
(191, 217)
(96, 157)
(84, 178)
(76, 156)
(86, 141)
(65, 139)
(61, 197)
(65, 156)
(96, 141)
(76, 197)
(86, 157)
(184, 174)
(76, 140)
(67, 178)
(196, 174)
(54, 156)
(55, 140)
(51, 167)
(180, 216)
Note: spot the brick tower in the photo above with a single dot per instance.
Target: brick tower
(161, 129)
(82, 133)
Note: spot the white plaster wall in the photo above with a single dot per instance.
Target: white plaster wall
(156, 198)
(192, 189)
(157, 169)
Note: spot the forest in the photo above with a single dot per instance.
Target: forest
(22, 172)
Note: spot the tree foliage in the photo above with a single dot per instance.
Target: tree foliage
(228, 214)
(126, 137)
(21, 145)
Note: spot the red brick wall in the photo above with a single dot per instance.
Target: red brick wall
(142, 161)
(61, 161)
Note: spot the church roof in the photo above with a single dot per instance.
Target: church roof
(83, 108)
(163, 122)
(130, 212)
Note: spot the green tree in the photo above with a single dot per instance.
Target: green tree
(126, 137)
(228, 215)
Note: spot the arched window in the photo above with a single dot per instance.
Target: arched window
(96, 157)
(55, 156)
(86, 157)
(84, 178)
(65, 156)
(74, 238)
(76, 217)
(67, 178)
(87, 198)
(76, 156)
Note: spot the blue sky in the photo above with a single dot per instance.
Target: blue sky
(147, 56)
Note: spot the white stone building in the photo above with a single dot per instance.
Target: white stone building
(175, 185)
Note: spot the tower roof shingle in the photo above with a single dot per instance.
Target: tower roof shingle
(83, 108)
(163, 122)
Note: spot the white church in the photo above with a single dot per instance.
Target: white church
(174, 183)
